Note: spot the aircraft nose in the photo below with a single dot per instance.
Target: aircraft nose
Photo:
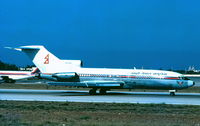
(191, 83)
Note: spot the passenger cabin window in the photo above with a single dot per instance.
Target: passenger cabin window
(185, 78)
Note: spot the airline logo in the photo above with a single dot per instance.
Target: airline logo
(180, 82)
(46, 59)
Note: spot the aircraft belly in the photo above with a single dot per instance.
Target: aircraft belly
(90, 84)
(128, 83)
(155, 84)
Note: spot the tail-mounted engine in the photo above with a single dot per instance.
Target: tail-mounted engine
(62, 77)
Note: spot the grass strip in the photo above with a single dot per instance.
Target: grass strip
(96, 114)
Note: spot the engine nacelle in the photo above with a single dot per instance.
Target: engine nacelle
(62, 77)
(77, 63)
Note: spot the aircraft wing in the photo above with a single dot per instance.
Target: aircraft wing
(90, 84)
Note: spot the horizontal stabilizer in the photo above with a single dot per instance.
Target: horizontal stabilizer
(25, 48)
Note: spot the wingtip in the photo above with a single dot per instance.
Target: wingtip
(8, 47)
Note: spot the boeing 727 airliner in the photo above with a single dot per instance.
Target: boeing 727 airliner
(71, 74)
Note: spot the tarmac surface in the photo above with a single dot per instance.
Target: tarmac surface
(111, 97)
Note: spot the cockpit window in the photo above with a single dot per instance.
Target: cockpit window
(185, 78)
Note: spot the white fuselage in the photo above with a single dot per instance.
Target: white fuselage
(16, 75)
(132, 78)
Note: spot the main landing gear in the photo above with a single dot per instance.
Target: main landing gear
(102, 91)
(172, 92)
(92, 91)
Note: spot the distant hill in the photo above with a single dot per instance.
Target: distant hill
(6, 66)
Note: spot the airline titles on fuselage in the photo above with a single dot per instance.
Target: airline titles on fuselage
(148, 73)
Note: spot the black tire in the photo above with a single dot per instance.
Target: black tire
(102, 91)
(92, 92)
(172, 93)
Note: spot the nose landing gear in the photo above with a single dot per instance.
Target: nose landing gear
(92, 91)
(172, 92)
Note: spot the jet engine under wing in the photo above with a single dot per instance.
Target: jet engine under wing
(91, 84)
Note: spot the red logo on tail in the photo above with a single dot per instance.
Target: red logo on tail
(46, 59)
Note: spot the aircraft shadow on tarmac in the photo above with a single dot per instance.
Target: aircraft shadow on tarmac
(138, 94)
(76, 93)
(112, 93)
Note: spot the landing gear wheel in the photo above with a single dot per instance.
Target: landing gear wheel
(102, 91)
(92, 92)
(172, 93)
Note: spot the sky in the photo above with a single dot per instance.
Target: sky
(150, 34)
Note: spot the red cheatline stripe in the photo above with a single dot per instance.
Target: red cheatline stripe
(133, 77)
(121, 76)
(48, 73)
(14, 73)
(172, 78)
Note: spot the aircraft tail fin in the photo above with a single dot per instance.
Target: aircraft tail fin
(44, 60)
